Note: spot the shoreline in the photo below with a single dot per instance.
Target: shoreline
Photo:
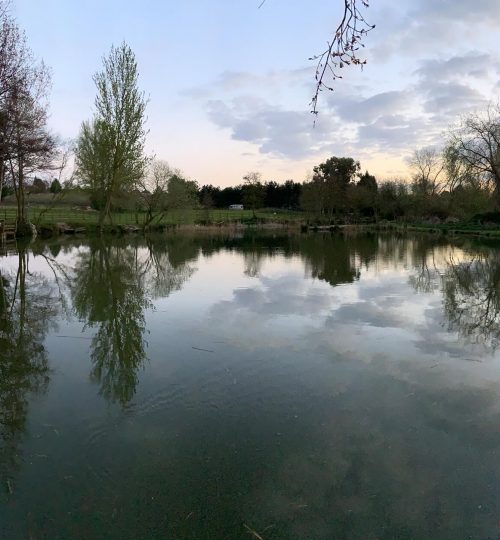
(68, 229)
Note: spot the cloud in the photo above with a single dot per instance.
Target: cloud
(418, 114)
(237, 81)
(364, 121)
(448, 86)
(452, 99)
(276, 131)
(277, 296)
(363, 110)
(391, 133)
(459, 11)
(472, 64)
(413, 28)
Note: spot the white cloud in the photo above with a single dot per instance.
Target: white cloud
(276, 131)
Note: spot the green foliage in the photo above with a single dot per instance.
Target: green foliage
(253, 191)
(332, 192)
(368, 182)
(338, 171)
(7, 191)
(181, 193)
(55, 186)
(39, 186)
(110, 149)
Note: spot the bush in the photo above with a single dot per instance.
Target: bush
(491, 217)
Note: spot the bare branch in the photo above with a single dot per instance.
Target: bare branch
(342, 50)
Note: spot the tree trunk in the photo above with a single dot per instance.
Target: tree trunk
(2, 177)
(105, 212)
(23, 227)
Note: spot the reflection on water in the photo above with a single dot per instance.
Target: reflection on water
(108, 293)
(296, 386)
(27, 308)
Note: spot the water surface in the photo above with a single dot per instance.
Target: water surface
(297, 386)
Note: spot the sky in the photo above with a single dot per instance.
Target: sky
(230, 84)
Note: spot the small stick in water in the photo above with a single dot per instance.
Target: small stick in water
(252, 532)
(204, 350)
(9, 487)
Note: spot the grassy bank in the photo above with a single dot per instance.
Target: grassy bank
(466, 228)
(88, 218)
(46, 219)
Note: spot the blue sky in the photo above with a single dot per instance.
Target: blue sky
(230, 84)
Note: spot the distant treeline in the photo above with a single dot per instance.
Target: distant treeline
(270, 195)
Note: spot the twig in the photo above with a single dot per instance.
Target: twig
(342, 50)
(204, 350)
(255, 534)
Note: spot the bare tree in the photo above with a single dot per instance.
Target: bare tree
(427, 165)
(253, 191)
(459, 173)
(12, 51)
(476, 143)
(152, 189)
(163, 189)
(26, 145)
(61, 174)
(30, 146)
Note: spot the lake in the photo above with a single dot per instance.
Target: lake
(250, 385)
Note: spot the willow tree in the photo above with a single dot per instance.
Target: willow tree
(110, 149)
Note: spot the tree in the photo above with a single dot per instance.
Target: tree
(467, 192)
(368, 181)
(253, 194)
(428, 168)
(182, 193)
(364, 194)
(392, 199)
(26, 146)
(332, 179)
(55, 186)
(163, 188)
(110, 149)
(39, 185)
(311, 198)
(476, 145)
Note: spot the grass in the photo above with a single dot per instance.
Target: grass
(81, 218)
(461, 228)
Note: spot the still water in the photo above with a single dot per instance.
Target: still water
(250, 386)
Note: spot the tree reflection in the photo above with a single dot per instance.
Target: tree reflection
(470, 287)
(110, 296)
(167, 266)
(112, 286)
(28, 305)
(334, 258)
(471, 292)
